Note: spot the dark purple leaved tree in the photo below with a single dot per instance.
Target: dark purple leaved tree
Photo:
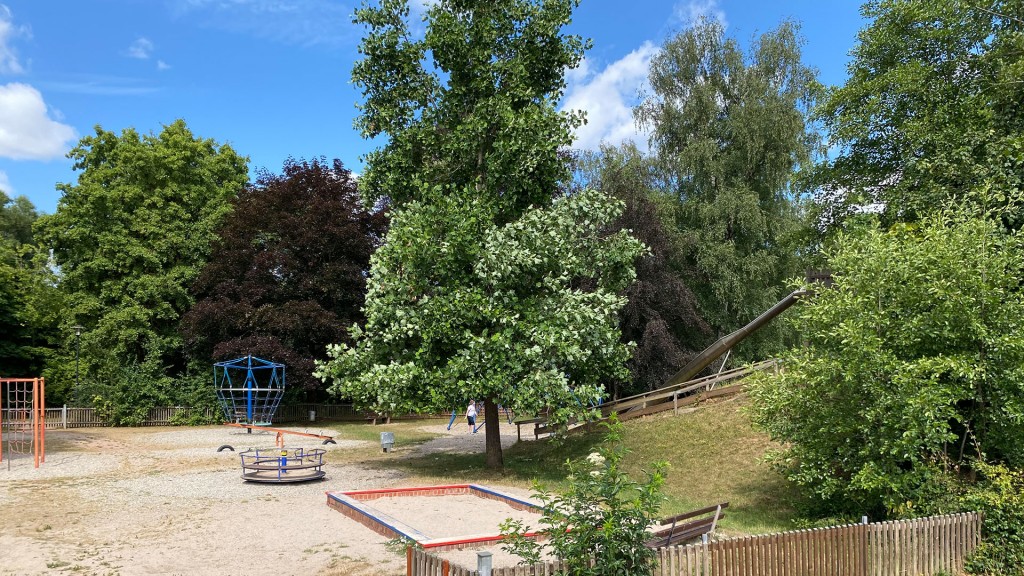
(288, 274)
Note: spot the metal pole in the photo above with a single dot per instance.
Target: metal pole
(34, 422)
(78, 349)
(42, 414)
(483, 563)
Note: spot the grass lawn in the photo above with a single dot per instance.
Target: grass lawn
(713, 452)
(715, 456)
(407, 435)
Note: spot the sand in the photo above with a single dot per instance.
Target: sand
(164, 501)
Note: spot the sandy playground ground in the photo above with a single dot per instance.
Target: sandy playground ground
(124, 501)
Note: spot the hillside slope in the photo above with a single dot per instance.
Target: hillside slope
(715, 456)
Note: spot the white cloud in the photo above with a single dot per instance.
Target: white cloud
(5, 184)
(142, 48)
(101, 85)
(417, 12)
(26, 130)
(302, 22)
(608, 97)
(8, 31)
(161, 65)
(688, 13)
(417, 8)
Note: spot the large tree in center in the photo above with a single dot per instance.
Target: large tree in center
(661, 315)
(486, 288)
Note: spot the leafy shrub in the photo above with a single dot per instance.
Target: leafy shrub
(124, 395)
(192, 416)
(599, 525)
(999, 495)
(910, 367)
(196, 392)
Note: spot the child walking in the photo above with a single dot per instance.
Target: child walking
(471, 416)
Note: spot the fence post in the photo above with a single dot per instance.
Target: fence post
(408, 561)
(64, 417)
(483, 563)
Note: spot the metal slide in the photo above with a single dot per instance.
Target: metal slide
(651, 401)
(726, 343)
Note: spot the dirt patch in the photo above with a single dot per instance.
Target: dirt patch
(164, 501)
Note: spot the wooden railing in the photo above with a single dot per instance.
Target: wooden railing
(663, 399)
(920, 547)
(672, 397)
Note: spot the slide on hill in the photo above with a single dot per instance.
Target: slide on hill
(682, 388)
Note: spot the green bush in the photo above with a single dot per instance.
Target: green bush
(599, 525)
(124, 405)
(999, 495)
(192, 416)
(197, 393)
(124, 395)
(910, 367)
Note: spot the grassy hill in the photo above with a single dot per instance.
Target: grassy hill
(713, 452)
(715, 456)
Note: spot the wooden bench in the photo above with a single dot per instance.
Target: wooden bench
(525, 421)
(372, 418)
(688, 526)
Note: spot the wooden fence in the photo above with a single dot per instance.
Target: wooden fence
(921, 546)
(70, 417)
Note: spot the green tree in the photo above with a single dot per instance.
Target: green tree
(471, 164)
(660, 315)
(731, 131)
(931, 110)
(29, 301)
(130, 237)
(515, 328)
(910, 366)
(470, 105)
(16, 218)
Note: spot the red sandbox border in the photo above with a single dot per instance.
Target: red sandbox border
(353, 503)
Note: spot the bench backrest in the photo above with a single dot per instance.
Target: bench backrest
(705, 521)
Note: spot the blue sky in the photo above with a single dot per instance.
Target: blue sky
(271, 77)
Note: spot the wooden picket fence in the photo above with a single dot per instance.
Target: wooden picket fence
(916, 547)
(74, 417)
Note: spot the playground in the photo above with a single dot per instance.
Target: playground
(248, 497)
(165, 501)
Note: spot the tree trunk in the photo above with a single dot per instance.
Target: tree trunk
(492, 431)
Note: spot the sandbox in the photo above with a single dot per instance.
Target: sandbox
(453, 524)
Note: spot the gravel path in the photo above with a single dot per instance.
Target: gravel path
(164, 501)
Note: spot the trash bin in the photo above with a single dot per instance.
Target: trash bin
(312, 415)
(387, 441)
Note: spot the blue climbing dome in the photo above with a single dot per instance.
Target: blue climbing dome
(249, 389)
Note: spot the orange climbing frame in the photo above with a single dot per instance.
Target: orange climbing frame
(24, 401)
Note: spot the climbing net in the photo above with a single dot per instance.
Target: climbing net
(249, 389)
(23, 418)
